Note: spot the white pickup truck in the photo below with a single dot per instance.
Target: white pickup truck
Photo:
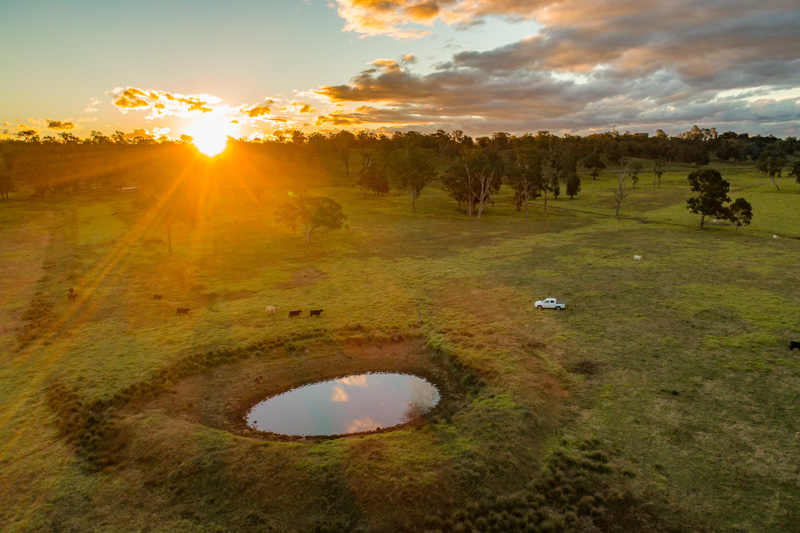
(550, 303)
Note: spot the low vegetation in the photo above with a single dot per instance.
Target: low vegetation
(663, 398)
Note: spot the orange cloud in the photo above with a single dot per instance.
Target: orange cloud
(339, 395)
(359, 425)
(256, 111)
(390, 17)
(162, 103)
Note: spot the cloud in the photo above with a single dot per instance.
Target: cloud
(589, 66)
(256, 111)
(24, 131)
(354, 381)
(339, 395)
(59, 125)
(363, 424)
(162, 103)
(139, 133)
(301, 107)
(92, 107)
(397, 18)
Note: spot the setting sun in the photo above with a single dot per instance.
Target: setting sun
(210, 134)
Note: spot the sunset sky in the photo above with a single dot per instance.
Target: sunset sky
(253, 68)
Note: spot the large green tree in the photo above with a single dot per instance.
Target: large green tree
(455, 183)
(573, 182)
(740, 213)
(311, 213)
(712, 193)
(594, 164)
(372, 176)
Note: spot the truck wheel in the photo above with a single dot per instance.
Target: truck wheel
(558, 309)
(538, 307)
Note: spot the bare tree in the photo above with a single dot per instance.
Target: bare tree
(628, 176)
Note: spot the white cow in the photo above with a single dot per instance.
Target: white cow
(272, 309)
(637, 257)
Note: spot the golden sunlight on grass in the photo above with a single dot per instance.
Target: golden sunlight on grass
(210, 133)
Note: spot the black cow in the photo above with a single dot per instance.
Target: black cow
(793, 345)
(158, 297)
(182, 311)
(293, 314)
(315, 312)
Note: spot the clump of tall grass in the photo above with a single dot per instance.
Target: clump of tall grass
(574, 491)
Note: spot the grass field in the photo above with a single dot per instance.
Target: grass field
(663, 399)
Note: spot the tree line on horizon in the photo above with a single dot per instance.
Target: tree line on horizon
(67, 162)
(470, 170)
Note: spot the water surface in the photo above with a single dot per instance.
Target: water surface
(352, 404)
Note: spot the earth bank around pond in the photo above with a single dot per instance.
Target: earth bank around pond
(222, 397)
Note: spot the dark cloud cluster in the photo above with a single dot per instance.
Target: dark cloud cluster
(60, 125)
(591, 65)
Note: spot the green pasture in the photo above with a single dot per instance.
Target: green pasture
(675, 367)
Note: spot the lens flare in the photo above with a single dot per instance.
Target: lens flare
(210, 133)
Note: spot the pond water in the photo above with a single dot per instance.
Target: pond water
(352, 404)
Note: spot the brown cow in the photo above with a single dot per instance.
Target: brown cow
(72, 296)
(182, 311)
(315, 312)
(158, 297)
(293, 314)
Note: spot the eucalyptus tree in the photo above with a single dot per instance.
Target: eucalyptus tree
(594, 164)
(658, 171)
(626, 182)
(770, 163)
(740, 213)
(484, 170)
(412, 169)
(311, 214)
(525, 174)
(712, 193)
(794, 171)
(372, 176)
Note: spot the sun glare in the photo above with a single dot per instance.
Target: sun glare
(210, 134)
